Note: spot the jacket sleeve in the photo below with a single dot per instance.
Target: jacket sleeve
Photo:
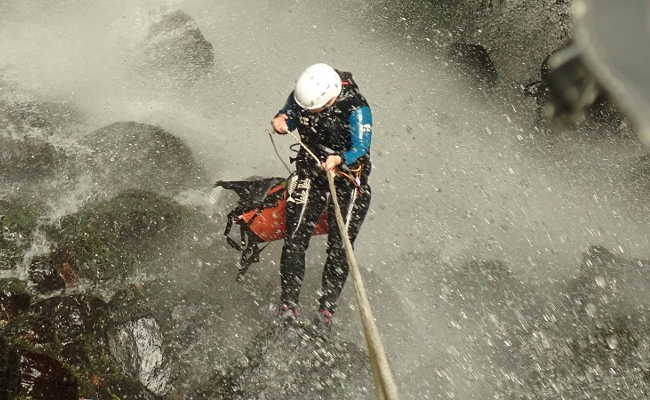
(360, 120)
(291, 109)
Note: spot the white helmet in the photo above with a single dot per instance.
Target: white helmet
(317, 85)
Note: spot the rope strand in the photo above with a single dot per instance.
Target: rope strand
(386, 388)
(277, 153)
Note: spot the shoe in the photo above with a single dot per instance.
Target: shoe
(288, 313)
(323, 321)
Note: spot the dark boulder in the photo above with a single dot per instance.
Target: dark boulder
(14, 299)
(71, 331)
(474, 63)
(26, 374)
(44, 277)
(28, 158)
(569, 93)
(62, 326)
(175, 50)
(109, 239)
(41, 377)
(130, 155)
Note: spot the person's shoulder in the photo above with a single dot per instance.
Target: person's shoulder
(350, 96)
(346, 78)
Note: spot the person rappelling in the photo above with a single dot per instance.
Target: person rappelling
(334, 122)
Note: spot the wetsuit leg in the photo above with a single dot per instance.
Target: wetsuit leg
(354, 207)
(304, 207)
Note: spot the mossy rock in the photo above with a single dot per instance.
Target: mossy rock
(28, 158)
(72, 331)
(17, 222)
(14, 299)
(110, 239)
(44, 276)
(131, 155)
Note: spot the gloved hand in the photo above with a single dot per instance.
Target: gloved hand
(279, 124)
(332, 162)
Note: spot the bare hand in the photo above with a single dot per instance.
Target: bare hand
(279, 124)
(332, 162)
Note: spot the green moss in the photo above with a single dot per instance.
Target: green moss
(17, 221)
(72, 330)
(110, 239)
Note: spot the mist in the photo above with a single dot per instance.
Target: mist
(459, 175)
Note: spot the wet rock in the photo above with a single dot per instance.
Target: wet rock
(44, 275)
(41, 377)
(130, 155)
(14, 300)
(72, 331)
(31, 375)
(109, 239)
(638, 174)
(18, 219)
(289, 363)
(183, 317)
(9, 366)
(28, 158)
(515, 31)
(63, 326)
(593, 336)
(474, 62)
(569, 93)
(138, 347)
(176, 50)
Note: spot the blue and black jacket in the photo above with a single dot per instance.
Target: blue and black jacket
(344, 129)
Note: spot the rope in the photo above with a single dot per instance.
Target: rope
(386, 388)
(277, 153)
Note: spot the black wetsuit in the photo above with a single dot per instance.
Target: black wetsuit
(344, 129)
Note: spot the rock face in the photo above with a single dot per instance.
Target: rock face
(517, 33)
(25, 374)
(599, 332)
(108, 240)
(475, 63)
(137, 345)
(14, 300)
(130, 155)
(27, 158)
(41, 376)
(26, 126)
(175, 49)
(18, 219)
(581, 338)
(291, 363)
(69, 331)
